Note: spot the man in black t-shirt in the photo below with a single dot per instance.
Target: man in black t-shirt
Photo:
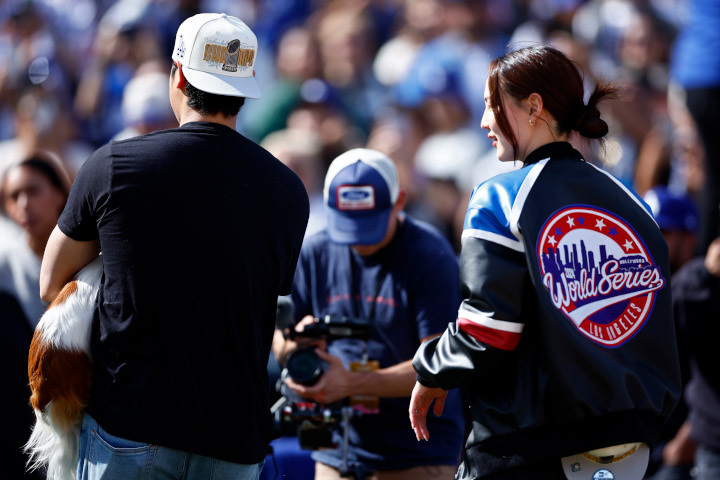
(200, 231)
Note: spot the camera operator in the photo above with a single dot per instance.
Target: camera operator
(376, 263)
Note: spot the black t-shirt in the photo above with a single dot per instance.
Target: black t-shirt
(200, 230)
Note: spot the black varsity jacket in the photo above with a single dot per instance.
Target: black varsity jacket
(564, 341)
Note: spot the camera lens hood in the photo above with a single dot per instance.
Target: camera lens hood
(304, 366)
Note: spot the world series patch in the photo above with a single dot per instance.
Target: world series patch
(598, 273)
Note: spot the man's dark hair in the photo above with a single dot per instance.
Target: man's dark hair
(210, 103)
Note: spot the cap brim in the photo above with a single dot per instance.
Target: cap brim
(222, 84)
(579, 467)
(357, 229)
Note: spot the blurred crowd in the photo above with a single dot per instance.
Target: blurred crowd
(405, 77)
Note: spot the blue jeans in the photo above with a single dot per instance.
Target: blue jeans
(707, 463)
(107, 457)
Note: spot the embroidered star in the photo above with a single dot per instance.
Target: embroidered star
(613, 231)
(551, 240)
(558, 232)
(628, 245)
(570, 221)
(599, 224)
(581, 220)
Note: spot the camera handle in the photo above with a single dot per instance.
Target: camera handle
(347, 412)
(357, 470)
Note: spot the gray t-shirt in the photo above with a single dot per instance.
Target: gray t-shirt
(20, 276)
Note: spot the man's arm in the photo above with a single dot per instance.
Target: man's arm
(63, 258)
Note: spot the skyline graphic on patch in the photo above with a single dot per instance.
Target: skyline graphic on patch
(598, 273)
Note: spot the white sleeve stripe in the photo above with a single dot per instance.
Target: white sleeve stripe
(486, 321)
(493, 237)
(625, 189)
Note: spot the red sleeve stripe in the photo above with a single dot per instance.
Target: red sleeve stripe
(501, 339)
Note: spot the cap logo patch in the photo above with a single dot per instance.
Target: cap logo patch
(181, 48)
(355, 197)
(603, 475)
(231, 61)
(230, 55)
(598, 273)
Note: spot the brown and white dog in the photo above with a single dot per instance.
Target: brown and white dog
(60, 373)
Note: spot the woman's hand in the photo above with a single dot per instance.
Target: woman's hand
(422, 398)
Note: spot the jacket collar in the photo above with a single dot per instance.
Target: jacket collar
(554, 149)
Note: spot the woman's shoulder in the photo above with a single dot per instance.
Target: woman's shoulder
(499, 188)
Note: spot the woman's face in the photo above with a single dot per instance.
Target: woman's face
(32, 201)
(519, 123)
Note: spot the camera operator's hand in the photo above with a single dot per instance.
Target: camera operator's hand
(283, 345)
(337, 382)
(712, 258)
(422, 398)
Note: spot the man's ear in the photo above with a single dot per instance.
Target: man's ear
(180, 80)
(400, 202)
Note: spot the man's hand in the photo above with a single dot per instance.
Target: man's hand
(422, 398)
(712, 258)
(337, 382)
(680, 450)
(283, 346)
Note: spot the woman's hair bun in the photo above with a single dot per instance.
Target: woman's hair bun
(589, 124)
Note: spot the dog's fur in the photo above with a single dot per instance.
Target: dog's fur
(60, 373)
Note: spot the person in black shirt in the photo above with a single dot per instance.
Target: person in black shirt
(696, 304)
(200, 231)
(15, 337)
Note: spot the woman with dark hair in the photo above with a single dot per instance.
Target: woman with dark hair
(564, 345)
(33, 193)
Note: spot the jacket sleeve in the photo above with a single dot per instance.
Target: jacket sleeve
(494, 280)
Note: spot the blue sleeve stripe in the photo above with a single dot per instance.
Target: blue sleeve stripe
(495, 238)
(496, 205)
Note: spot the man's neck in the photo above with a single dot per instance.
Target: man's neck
(190, 115)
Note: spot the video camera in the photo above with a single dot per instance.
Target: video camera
(303, 365)
(315, 422)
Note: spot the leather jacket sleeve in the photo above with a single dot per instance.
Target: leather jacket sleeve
(490, 319)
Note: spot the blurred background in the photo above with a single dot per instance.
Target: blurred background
(405, 77)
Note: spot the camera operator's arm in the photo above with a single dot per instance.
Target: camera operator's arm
(337, 382)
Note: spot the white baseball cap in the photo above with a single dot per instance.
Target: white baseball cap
(217, 53)
(620, 462)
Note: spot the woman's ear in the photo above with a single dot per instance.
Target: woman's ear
(534, 105)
